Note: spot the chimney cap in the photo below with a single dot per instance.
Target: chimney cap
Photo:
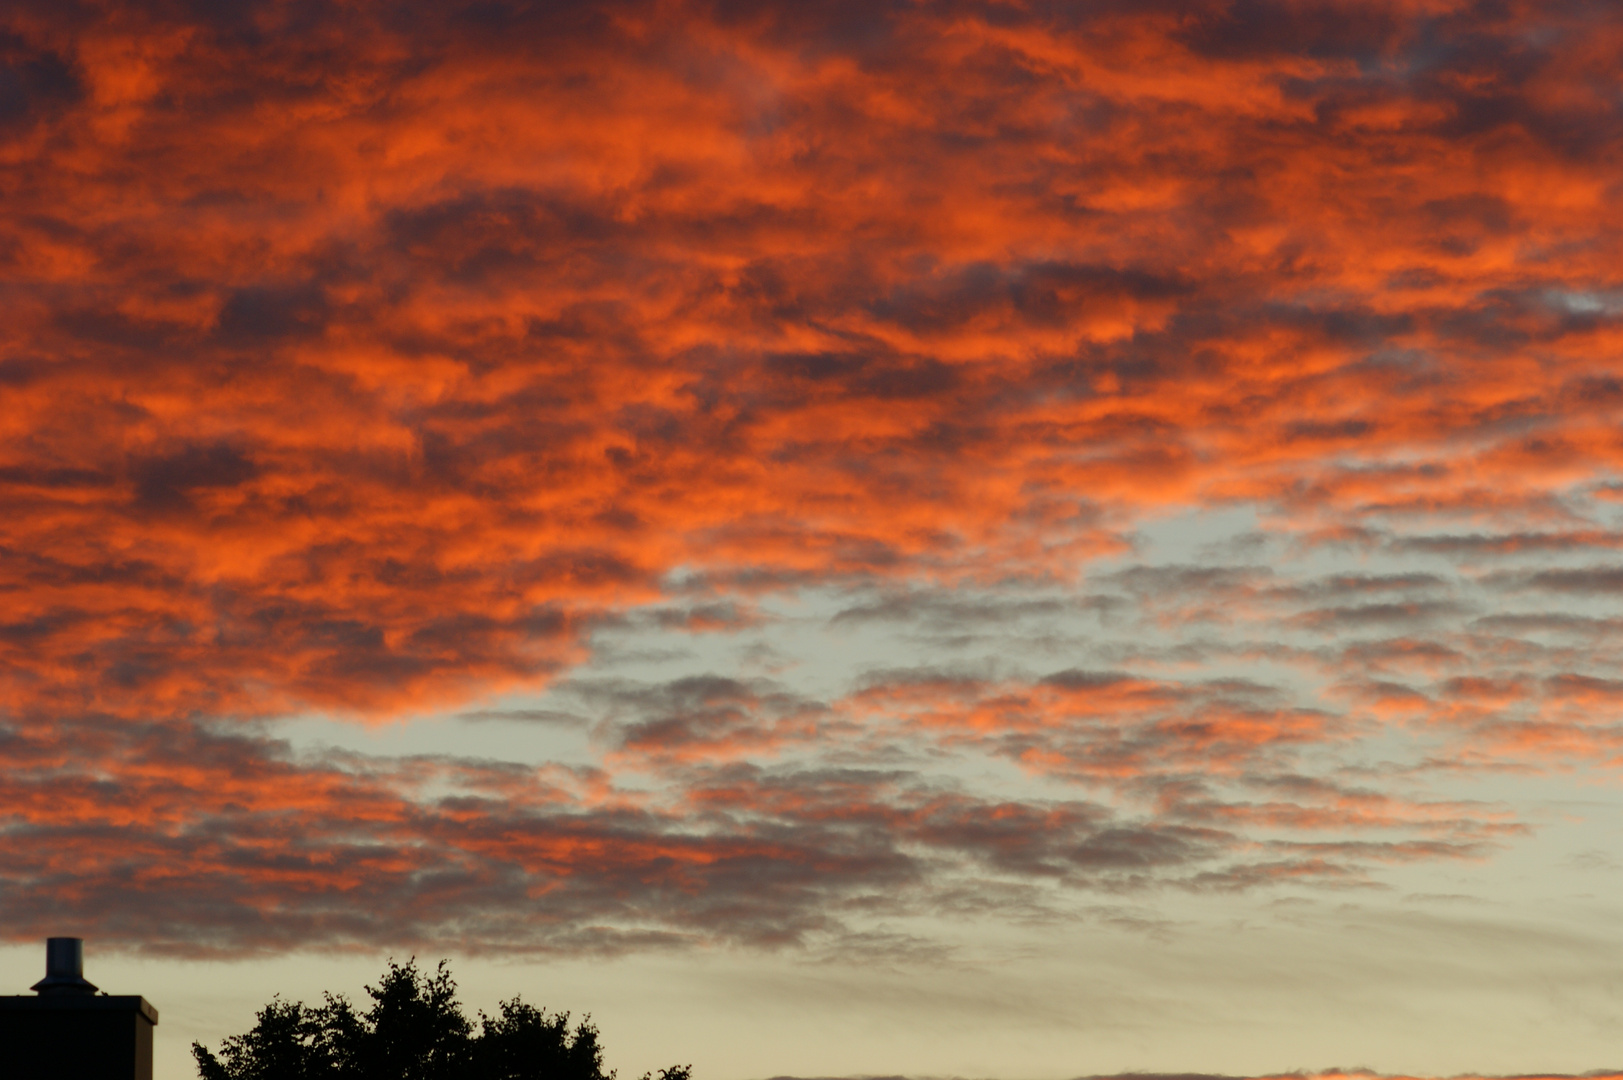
(64, 968)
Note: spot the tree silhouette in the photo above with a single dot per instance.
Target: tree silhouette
(415, 1030)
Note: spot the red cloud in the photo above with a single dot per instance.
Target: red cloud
(370, 359)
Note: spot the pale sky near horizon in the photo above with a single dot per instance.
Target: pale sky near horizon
(988, 538)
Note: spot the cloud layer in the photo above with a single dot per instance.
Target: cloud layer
(377, 359)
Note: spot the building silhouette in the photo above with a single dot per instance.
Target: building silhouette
(69, 1030)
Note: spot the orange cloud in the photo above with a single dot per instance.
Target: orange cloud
(373, 359)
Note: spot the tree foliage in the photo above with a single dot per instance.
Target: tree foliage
(414, 1030)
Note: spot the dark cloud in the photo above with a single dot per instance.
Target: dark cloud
(763, 858)
(1600, 580)
(1359, 616)
(1583, 686)
(1403, 652)
(525, 716)
(265, 315)
(956, 611)
(35, 82)
(704, 717)
(1362, 584)
(1557, 622)
(1479, 544)
(165, 482)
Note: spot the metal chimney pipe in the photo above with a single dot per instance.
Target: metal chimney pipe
(64, 968)
(65, 957)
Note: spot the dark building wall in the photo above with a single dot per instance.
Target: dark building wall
(76, 1038)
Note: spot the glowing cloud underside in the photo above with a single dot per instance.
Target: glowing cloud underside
(377, 359)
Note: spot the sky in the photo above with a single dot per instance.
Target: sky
(995, 538)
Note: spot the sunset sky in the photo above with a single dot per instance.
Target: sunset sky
(999, 538)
